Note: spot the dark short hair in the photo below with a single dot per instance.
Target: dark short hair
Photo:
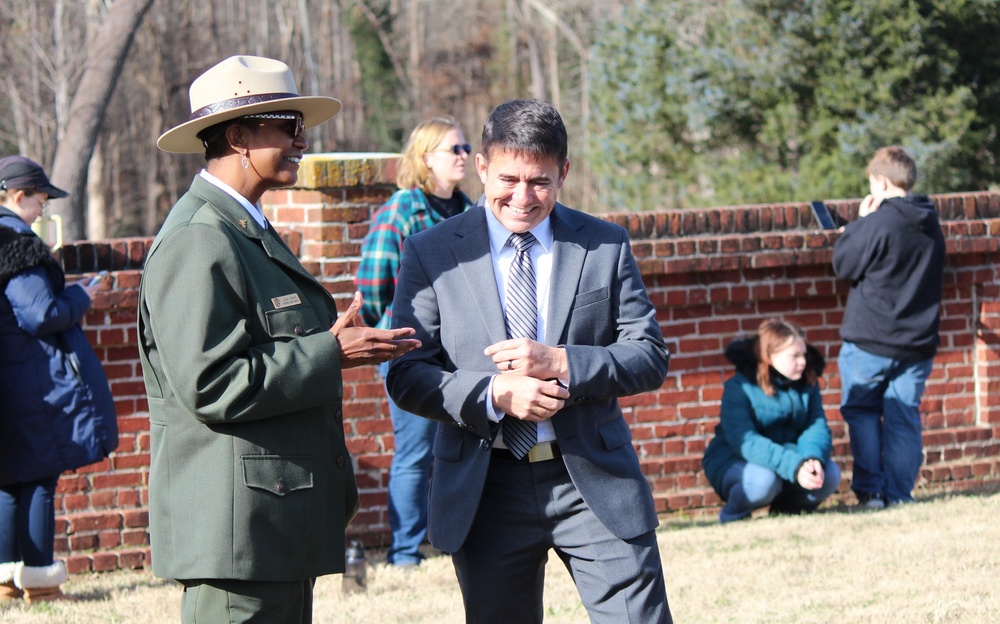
(526, 127)
(214, 139)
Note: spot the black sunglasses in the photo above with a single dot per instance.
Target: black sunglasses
(291, 124)
(457, 149)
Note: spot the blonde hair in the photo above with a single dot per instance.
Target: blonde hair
(774, 335)
(896, 165)
(413, 171)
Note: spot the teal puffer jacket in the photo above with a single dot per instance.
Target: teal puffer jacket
(778, 432)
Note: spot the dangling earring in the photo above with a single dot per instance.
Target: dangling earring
(245, 161)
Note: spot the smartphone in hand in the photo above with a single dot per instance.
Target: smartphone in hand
(97, 278)
(823, 216)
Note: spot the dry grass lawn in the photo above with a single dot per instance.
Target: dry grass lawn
(935, 561)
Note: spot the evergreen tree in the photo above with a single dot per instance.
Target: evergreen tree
(702, 102)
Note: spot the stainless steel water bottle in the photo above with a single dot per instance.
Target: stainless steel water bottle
(356, 574)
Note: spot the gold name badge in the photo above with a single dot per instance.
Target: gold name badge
(286, 301)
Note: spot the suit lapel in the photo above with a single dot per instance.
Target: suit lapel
(472, 252)
(569, 247)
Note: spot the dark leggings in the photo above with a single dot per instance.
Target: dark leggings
(27, 522)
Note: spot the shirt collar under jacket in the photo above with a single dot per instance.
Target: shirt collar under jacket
(499, 234)
(255, 211)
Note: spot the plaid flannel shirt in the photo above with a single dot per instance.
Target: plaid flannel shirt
(405, 213)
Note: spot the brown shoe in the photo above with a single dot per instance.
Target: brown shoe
(41, 584)
(9, 591)
(44, 594)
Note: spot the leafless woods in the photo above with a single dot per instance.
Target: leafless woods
(391, 63)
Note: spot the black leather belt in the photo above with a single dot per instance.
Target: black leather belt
(543, 451)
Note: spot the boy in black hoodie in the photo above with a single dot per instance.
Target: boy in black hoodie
(894, 257)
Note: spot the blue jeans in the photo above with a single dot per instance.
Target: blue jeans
(409, 478)
(880, 402)
(28, 522)
(746, 487)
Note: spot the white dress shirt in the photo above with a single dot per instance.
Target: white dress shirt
(255, 211)
(541, 259)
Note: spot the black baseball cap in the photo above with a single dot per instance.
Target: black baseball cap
(18, 172)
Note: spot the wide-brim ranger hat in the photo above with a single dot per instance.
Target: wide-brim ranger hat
(20, 173)
(238, 86)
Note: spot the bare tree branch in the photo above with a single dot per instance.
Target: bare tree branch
(104, 66)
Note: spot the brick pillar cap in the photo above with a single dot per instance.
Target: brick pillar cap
(347, 169)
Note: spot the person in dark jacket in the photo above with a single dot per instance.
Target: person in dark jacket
(772, 444)
(893, 255)
(56, 410)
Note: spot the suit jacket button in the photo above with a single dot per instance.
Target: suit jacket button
(340, 462)
(281, 486)
(298, 330)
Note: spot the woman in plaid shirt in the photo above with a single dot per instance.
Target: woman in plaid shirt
(432, 167)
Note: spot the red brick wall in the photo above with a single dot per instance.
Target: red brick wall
(712, 274)
(716, 273)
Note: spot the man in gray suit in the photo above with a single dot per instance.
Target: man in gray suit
(494, 378)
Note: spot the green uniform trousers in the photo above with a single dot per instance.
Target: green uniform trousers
(226, 601)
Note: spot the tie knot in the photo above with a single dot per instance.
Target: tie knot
(521, 241)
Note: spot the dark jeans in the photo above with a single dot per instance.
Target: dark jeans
(27, 522)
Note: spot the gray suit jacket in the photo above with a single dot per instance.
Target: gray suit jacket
(599, 312)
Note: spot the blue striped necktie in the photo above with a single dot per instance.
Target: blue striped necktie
(521, 435)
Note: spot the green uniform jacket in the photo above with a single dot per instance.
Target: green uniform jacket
(250, 476)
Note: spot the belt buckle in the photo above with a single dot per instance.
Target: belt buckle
(543, 451)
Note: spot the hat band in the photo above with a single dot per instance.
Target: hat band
(225, 105)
